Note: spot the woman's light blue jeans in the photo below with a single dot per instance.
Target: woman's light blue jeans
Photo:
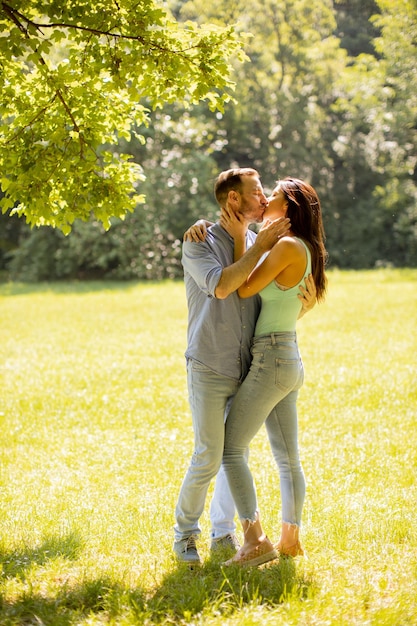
(268, 394)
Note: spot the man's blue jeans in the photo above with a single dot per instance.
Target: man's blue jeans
(268, 394)
(210, 396)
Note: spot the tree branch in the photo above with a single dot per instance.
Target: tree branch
(29, 124)
(12, 13)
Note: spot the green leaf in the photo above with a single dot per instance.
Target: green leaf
(76, 74)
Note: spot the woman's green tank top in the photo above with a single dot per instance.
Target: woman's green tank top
(280, 307)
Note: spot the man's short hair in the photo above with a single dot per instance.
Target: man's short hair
(231, 180)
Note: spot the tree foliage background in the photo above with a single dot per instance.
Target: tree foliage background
(328, 93)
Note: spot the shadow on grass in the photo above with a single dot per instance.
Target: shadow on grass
(15, 563)
(213, 588)
(72, 604)
(73, 601)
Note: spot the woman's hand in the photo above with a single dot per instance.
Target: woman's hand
(307, 295)
(233, 223)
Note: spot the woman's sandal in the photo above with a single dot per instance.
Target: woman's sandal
(294, 550)
(263, 553)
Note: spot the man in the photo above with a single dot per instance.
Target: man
(220, 329)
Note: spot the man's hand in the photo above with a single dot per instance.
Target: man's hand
(271, 232)
(307, 295)
(197, 232)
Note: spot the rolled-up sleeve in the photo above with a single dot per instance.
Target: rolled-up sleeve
(202, 265)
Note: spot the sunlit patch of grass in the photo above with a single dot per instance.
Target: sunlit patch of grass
(96, 436)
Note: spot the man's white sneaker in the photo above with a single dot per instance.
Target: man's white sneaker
(229, 542)
(186, 550)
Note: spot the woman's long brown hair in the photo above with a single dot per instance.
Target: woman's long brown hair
(304, 211)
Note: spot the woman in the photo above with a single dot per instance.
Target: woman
(269, 392)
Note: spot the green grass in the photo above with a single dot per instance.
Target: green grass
(96, 436)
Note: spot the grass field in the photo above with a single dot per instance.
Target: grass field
(96, 436)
